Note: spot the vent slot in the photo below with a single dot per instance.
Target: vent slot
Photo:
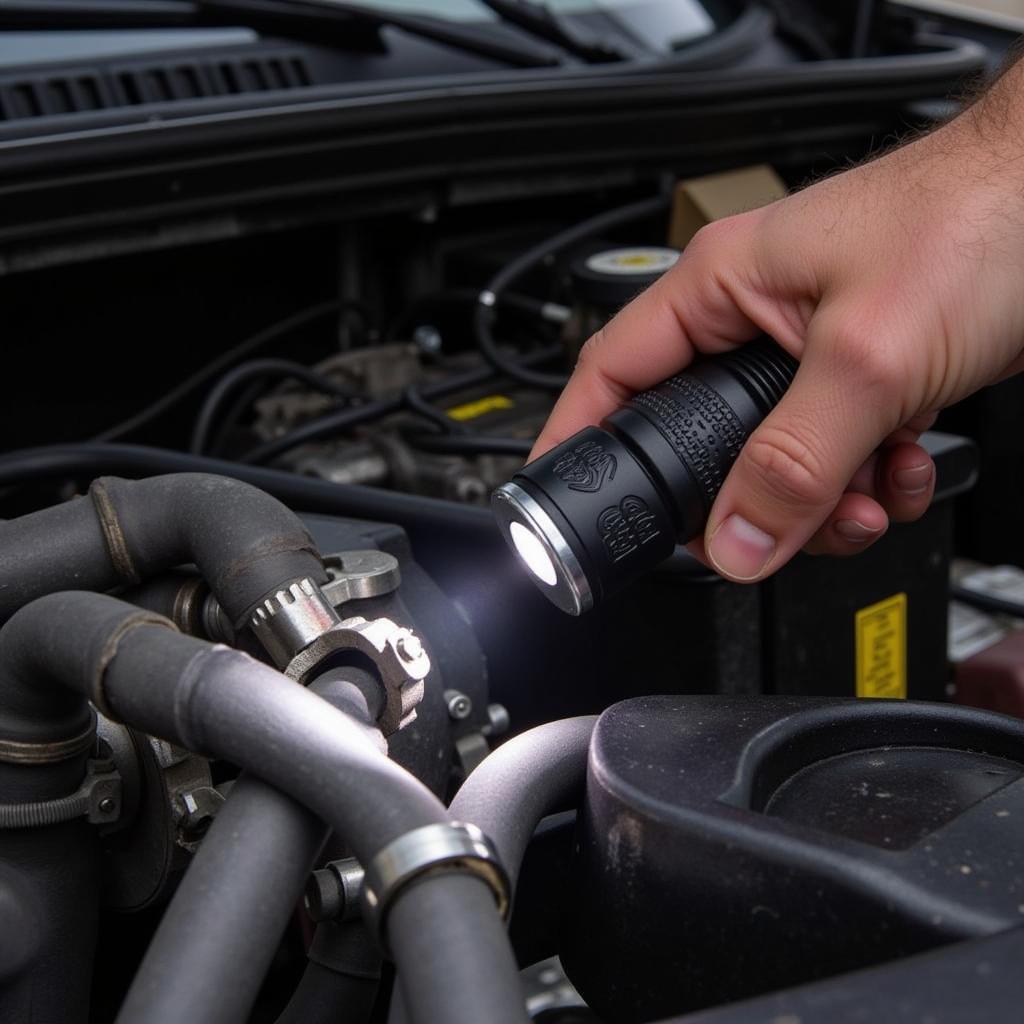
(190, 84)
(26, 101)
(58, 94)
(138, 84)
(89, 93)
(130, 88)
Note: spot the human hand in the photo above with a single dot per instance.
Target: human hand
(896, 285)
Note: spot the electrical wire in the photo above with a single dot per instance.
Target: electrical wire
(452, 437)
(346, 419)
(252, 370)
(418, 404)
(470, 444)
(551, 312)
(484, 314)
(244, 348)
(236, 411)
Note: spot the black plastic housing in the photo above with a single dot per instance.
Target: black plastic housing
(758, 843)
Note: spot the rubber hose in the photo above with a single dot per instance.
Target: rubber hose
(225, 922)
(537, 773)
(244, 542)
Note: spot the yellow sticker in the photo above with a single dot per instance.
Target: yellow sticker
(480, 407)
(881, 639)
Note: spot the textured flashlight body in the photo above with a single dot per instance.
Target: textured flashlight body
(625, 493)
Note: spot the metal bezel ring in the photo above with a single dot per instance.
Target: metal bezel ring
(572, 591)
(445, 846)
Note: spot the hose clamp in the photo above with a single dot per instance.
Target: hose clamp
(48, 752)
(395, 651)
(97, 799)
(443, 847)
(301, 630)
(288, 620)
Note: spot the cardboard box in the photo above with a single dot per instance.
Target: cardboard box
(699, 201)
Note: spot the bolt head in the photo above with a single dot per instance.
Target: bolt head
(107, 805)
(428, 339)
(459, 705)
(409, 647)
(201, 806)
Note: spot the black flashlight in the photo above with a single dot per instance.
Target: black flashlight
(612, 502)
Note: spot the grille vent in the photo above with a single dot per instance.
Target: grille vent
(75, 91)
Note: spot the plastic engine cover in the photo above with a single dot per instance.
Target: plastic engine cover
(730, 846)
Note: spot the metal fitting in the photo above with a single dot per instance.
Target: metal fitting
(459, 706)
(299, 628)
(200, 808)
(214, 622)
(396, 653)
(351, 576)
(289, 620)
(333, 892)
(447, 846)
(355, 575)
(47, 752)
(427, 338)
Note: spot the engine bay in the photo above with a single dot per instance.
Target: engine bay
(287, 733)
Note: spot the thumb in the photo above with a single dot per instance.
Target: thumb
(842, 404)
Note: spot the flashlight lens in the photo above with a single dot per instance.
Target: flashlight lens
(532, 552)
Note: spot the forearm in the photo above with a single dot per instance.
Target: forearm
(990, 128)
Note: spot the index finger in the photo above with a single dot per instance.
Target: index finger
(690, 309)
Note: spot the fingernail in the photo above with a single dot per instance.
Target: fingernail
(856, 533)
(915, 479)
(739, 549)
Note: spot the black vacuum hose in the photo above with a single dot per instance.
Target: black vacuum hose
(244, 542)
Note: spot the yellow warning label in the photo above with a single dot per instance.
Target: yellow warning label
(881, 639)
(480, 407)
